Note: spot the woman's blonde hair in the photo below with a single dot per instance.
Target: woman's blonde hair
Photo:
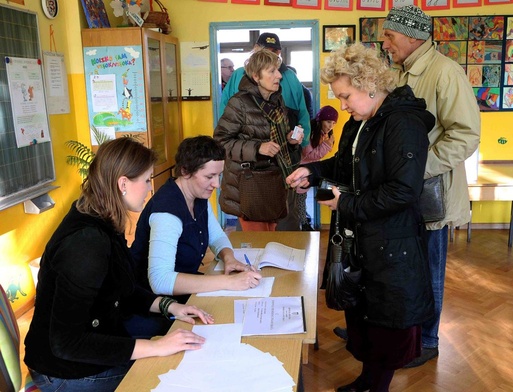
(261, 60)
(101, 195)
(366, 69)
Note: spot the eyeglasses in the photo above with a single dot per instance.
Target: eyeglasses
(229, 67)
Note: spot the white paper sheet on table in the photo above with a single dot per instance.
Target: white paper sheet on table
(270, 316)
(264, 289)
(210, 369)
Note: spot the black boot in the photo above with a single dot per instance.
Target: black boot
(357, 385)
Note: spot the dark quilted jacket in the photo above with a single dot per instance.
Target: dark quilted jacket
(386, 176)
(241, 130)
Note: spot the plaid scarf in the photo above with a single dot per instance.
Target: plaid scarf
(279, 125)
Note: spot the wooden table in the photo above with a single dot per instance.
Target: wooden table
(291, 349)
(143, 376)
(289, 283)
(494, 183)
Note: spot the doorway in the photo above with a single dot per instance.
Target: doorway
(300, 49)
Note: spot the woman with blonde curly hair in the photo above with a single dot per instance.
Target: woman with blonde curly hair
(381, 158)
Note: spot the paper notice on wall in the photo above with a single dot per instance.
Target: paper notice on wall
(56, 82)
(195, 66)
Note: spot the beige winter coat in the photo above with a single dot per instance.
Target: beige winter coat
(450, 98)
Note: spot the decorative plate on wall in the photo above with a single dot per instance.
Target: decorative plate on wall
(50, 8)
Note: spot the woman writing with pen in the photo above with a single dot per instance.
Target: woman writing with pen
(178, 225)
(87, 285)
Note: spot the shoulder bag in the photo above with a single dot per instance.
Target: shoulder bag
(343, 288)
(263, 196)
(432, 199)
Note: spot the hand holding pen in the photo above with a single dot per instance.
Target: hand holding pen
(253, 282)
(246, 275)
(248, 263)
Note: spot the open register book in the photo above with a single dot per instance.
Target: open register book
(273, 255)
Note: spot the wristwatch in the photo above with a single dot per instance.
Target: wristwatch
(50, 8)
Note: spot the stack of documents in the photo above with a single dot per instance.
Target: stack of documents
(224, 364)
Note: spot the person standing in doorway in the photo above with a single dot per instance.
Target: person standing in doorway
(296, 109)
(226, 71)
(450, 98)
(255, 132)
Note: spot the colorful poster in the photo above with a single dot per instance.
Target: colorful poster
(115, 88)
(27, 101)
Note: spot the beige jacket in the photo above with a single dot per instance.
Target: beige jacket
(449, 97)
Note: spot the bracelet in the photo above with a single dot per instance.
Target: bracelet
(164, 305)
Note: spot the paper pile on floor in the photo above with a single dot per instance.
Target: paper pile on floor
(224, 364)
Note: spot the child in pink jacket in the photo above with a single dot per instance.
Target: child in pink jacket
(321, 143)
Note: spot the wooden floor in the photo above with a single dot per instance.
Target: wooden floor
(476, 336)
(476, 333)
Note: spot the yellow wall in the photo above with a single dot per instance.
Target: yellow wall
(198, 117)
(23, 236)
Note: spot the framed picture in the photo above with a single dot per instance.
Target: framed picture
(333, 36)
(435, 5)
(346, 5)
(95, 13)
(311, 4)
(277, 2)
(493, 2)
(466, 3)
(400, 3)
(371, 29)
(371, 5)
(256, 2)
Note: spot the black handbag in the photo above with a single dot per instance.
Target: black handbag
(432, 199)
(343, 288)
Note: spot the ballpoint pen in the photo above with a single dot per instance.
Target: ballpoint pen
(247, 260)
(183, 317)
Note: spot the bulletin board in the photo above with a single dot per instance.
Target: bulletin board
(26, 169)
(482, 45)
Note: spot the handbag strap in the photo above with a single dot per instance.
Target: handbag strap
(336, 238)
(162, 8)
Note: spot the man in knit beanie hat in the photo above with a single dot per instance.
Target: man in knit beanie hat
(410, 21)
(455, 137)
(408, 27)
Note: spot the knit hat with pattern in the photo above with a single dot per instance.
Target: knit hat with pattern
(409, 20)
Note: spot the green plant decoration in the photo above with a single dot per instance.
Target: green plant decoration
(84, 155)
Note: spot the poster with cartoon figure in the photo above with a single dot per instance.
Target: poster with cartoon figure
(27, 101)
(115, 88)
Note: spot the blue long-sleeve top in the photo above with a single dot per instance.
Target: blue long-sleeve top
(168, 240)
